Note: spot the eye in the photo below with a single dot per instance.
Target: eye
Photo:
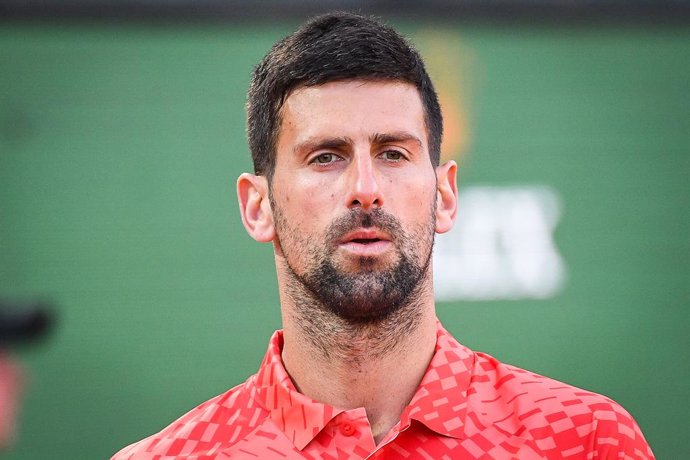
(325, 158)
(393, 155)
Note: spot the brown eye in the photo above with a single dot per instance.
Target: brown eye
(393, 155)
(325, 158)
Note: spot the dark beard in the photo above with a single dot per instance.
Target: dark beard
(370, 295)
(363, 315)
(367, 296)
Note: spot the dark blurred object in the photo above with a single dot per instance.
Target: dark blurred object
(22, 322)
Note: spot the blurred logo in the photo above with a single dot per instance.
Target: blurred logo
(501, 246)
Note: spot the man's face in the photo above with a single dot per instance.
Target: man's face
(353, 195)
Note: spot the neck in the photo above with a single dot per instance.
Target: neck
(350, 365)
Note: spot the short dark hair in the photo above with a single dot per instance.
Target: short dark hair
(332, 47)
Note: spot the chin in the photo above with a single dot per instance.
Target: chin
(365, 265)
(358, 313)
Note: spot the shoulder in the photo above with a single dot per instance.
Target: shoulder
(228, 416)
(559, 418)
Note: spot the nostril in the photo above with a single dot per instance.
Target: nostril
(366, 203)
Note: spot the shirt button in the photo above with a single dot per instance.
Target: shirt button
(347, 429)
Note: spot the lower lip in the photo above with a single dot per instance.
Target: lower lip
(368, 249)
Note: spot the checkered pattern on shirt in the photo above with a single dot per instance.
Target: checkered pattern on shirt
(468, 406)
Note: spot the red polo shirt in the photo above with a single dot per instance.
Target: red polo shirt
(468, 406)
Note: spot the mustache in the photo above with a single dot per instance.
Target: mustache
(358, 218)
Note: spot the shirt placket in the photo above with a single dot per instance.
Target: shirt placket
(350, 432)
(380, 451)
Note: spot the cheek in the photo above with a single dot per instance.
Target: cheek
(319, 198)
(414, 201)
(307, 208)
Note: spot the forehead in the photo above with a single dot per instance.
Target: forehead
(354, 109)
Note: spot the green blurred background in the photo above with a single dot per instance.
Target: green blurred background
(119, 149)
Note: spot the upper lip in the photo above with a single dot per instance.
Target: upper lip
(365, 234)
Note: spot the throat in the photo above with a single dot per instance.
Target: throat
(336, 355)
(366, 370)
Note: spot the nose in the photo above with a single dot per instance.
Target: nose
(364, 184)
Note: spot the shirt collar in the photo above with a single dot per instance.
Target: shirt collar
(299, 417)
(440, 402)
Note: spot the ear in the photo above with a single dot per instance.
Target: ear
(255, 207)
(447, 196)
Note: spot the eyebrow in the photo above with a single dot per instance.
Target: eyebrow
(341, 142)
(323, 143)
(398, 136)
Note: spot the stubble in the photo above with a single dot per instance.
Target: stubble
(361, 313)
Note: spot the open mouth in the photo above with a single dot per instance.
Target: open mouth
(365, 236)
(365, 240)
